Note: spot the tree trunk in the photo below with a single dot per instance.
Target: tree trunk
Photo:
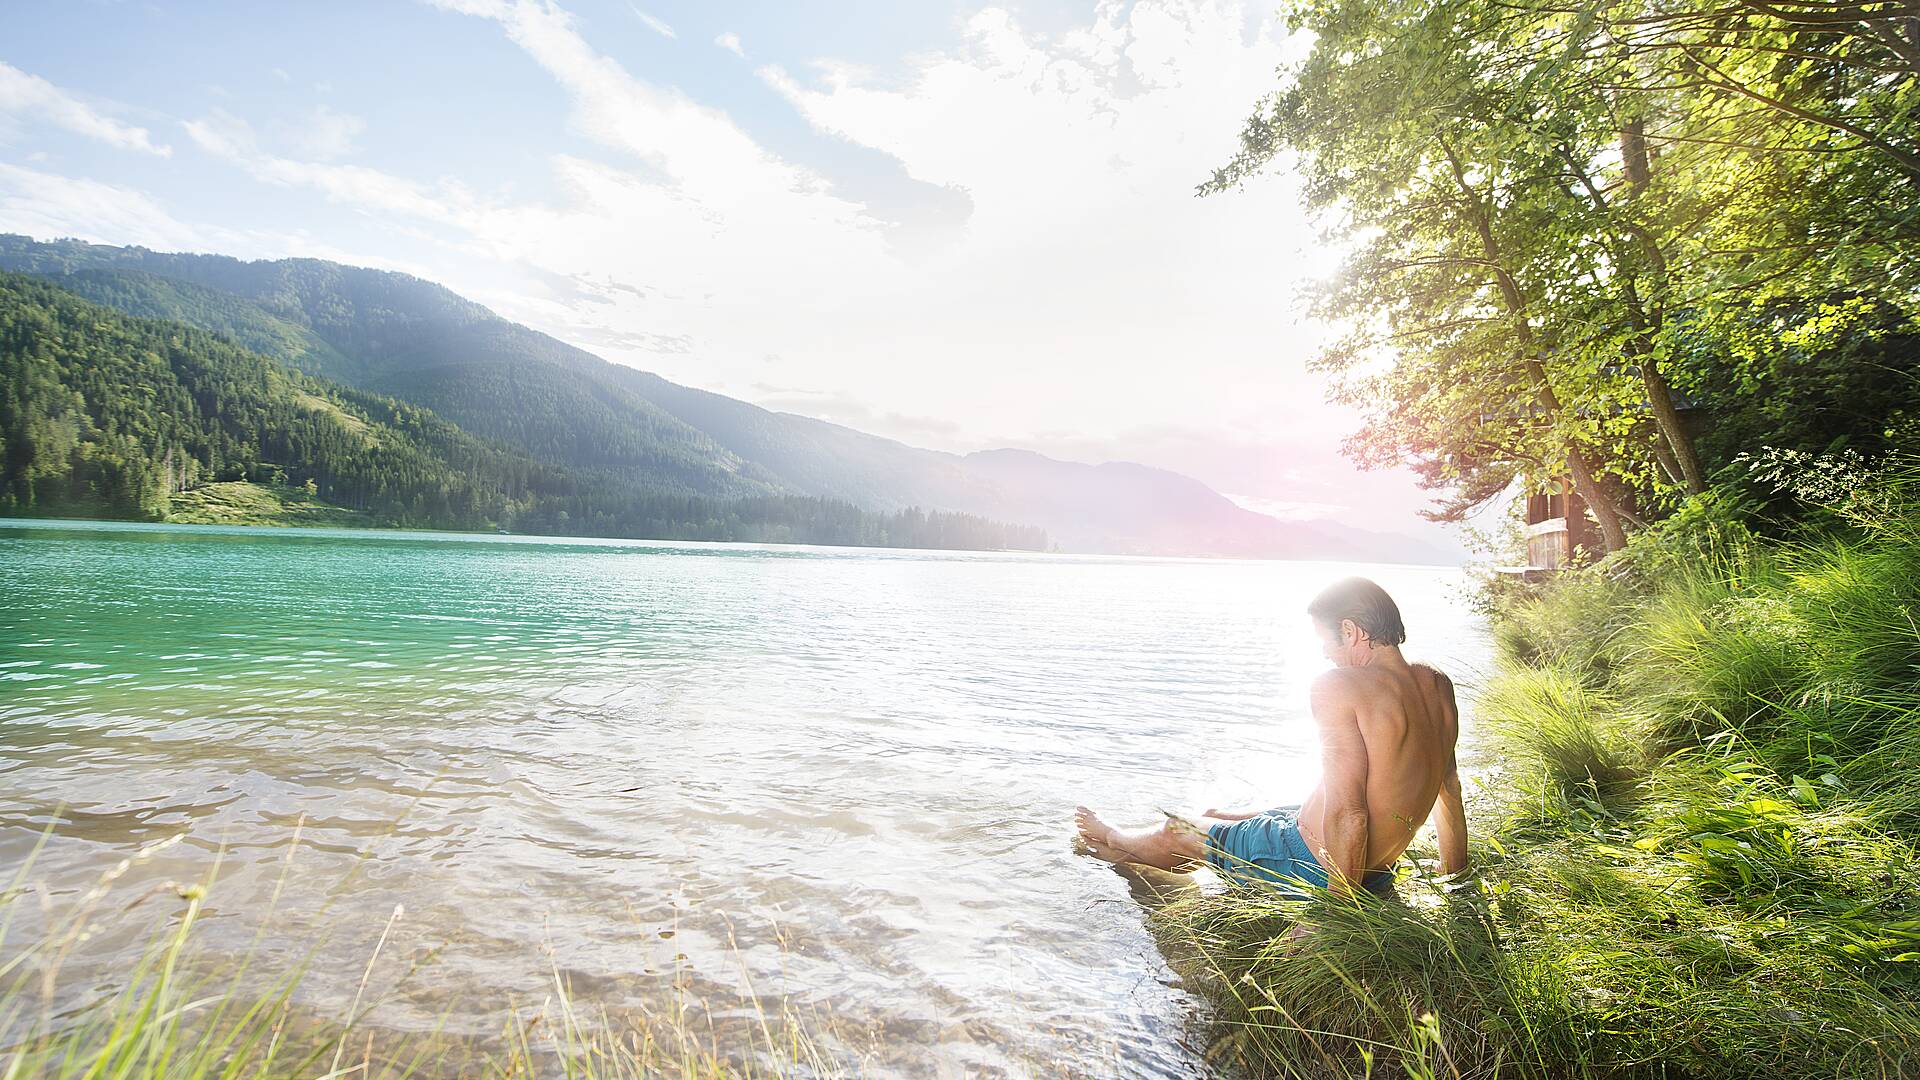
(1671, 425)
(1633, 154)
(1633, 157)
(1663, 456)
(1612, 533)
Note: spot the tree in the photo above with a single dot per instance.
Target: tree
(1547, 210)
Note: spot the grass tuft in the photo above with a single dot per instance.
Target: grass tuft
(179, 1014)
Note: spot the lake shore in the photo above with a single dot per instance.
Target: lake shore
(1694, 854)
(843, 776)
(241, 502)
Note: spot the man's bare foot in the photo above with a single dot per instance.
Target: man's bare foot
(1097, 835)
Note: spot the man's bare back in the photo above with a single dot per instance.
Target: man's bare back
(1387, 736)
(1387, 729)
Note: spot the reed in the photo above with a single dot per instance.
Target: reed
(181, 1014)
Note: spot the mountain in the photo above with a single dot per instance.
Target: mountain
(107, 415)
(1165, 511)
(398, 336)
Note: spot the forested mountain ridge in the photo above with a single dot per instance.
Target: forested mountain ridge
(396, 335)
(151, 296)
(107, 415)
(399, 336)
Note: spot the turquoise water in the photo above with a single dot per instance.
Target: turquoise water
(731, 774)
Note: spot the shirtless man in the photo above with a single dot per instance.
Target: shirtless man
(1387, 732)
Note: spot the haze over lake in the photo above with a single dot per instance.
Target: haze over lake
(839, 777)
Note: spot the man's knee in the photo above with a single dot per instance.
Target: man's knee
(1182, 839)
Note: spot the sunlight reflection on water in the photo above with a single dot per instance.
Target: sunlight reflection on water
(835, 776)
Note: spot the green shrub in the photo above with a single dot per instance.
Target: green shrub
(1560, 738)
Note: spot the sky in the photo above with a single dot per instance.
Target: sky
(960, 225)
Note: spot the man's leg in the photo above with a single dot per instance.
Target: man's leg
(1169, 846)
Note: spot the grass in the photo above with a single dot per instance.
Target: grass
(1696, 858)
(240, 502)
(179, 1014)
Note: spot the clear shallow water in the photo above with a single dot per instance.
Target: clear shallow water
(836, 777)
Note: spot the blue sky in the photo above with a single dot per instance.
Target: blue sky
(962, 225)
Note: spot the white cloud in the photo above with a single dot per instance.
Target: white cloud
(48, 205)
(700, 149)
(654, 23)
(1088, 271)
(32, 95)
(325, 133)
(730, 41)
(224, 135)
(697, 202)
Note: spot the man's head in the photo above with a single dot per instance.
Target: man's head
(1354, 617)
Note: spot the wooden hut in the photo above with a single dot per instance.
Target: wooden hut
(1558, 528)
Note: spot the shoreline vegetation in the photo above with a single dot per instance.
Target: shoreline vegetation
(242, 502)
(181, 1014)
(275, 505)
(1696, 855)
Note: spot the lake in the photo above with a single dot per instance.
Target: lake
(722, 776)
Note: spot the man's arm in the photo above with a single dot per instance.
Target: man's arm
(1229, 815)
(1450, 810)
(1450, 823)
(1343, 762)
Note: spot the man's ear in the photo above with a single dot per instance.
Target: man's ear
(1349, 633)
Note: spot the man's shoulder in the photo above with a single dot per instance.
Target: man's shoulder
(1350, 682)
(1338, 680)
(1440, 678)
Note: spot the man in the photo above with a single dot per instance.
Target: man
(1387, 733)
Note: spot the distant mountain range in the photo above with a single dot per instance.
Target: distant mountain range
(396, 336)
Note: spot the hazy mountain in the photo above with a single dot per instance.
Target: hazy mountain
(1121, 506)
(103, 414)
(397, 335)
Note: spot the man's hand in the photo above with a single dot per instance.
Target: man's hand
(1450, 824)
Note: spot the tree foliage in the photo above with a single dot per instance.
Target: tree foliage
(1594, 238)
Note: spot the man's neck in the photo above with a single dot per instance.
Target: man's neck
(1379, 656)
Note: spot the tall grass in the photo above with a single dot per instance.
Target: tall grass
(1696, 856)
(178, 1014)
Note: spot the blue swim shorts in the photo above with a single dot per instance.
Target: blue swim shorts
(1267, 849)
